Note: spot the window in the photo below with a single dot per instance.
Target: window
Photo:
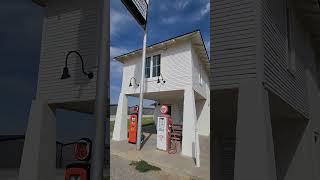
(148, 67)
(291, 64)
(156, 66)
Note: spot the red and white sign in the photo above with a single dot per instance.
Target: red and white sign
(82, 149)
(164, 109)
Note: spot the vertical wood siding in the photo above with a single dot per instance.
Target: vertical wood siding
(233, 42)
(290, 87)
(68, 25)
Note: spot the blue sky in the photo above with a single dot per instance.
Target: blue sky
(167, 18)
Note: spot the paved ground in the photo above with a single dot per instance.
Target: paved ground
(171, 163)
(120, 169)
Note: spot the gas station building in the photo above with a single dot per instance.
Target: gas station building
(176, 75)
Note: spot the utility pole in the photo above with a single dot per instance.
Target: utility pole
(139, 133)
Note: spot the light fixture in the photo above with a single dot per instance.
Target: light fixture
(66, 75)
(135, 82)
(158, 81)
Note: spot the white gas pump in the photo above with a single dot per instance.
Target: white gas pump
(162, 133)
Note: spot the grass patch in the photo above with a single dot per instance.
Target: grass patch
(143, 166)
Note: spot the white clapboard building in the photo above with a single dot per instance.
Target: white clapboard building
(176, 74)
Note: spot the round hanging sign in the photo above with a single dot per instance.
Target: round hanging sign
(83, 149)
(164, 109)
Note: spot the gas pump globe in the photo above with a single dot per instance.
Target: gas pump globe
(81, 169)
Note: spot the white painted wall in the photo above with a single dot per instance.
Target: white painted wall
(197, 69)
(175, 68)
(68, 25)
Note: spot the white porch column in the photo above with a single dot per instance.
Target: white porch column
(120, 131)
(254, 157)
(39, 153)
(189, 119)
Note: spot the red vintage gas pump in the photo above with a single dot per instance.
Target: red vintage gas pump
(133, 125)
(81, 169)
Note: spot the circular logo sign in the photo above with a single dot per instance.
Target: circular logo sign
(134, 109)
(164, 109)
(83, 149)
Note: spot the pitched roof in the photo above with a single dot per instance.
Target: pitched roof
(194, 36)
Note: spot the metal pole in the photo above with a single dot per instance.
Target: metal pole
(142, 85)
(101, 92)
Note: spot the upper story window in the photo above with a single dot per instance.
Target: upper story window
(156, 66)
(152, 68)
(291, 60)
(148, 69)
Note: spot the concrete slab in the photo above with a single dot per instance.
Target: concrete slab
(171, 163)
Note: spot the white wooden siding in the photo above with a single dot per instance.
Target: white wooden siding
(233, 42)
(290, 87)
(175, 68)
(196, 65)
(68, 25)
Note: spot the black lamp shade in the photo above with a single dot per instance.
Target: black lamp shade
(90, 75)
(65, 73)
(130, 84)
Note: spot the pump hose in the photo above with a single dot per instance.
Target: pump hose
(173, 149)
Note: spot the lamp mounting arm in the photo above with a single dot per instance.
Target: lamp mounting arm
(89, 74)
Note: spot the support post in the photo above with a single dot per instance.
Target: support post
(120, 131)
(189, 146)
(39, 152)
(102, 93)
(254, 156)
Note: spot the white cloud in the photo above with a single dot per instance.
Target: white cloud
(115, 51)
(115, 66)
(170, 20)
(205, 10)
(181, 4)
(117, 20)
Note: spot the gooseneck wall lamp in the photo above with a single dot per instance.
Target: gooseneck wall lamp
(158, 81)
(66, 75)
(135, 82)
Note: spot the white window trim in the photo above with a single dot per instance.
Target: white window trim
(151, 66)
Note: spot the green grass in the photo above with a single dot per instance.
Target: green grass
(145, 122)
(143, 166)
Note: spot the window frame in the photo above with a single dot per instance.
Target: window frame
(147, 67)
(151, 66)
